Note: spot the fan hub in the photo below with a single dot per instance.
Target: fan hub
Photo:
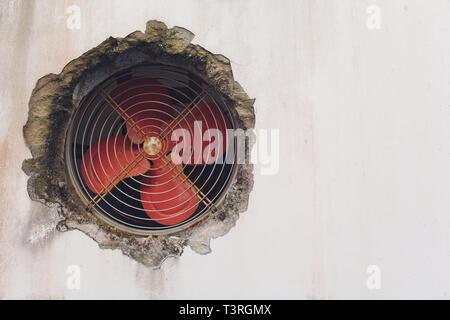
(152, 146)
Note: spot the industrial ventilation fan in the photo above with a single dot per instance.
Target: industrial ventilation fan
(142, 143)
(147, 148)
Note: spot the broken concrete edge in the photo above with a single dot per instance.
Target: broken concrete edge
(54, 100)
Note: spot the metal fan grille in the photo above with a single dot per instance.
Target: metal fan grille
(99, 116)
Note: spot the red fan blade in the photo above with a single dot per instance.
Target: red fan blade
(202, 118)
(146, 106)
(166, 197)
(110, 160)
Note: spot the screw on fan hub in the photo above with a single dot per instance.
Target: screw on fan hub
(152, 146)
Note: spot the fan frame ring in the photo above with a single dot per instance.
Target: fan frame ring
(164, 229)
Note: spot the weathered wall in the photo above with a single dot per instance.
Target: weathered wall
(364, 176)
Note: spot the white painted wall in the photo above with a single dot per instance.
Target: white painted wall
(364, 176)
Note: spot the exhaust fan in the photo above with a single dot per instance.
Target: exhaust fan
(135, 142)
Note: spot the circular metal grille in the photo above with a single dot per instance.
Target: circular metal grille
(123, 139)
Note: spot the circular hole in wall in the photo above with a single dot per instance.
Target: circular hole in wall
(104, 135)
